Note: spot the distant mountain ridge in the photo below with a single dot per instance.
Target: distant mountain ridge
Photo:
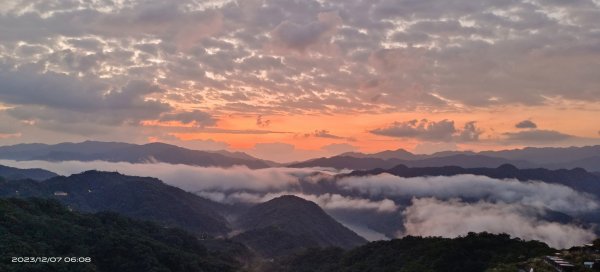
(125, 152)
(387, 154)
(587, 157)
(18, 173)
(577, 178)
(462, 160)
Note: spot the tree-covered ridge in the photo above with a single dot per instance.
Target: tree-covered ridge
(43, 227)
(474, 252)
(137, 197)
(288, 223)
(8, 172)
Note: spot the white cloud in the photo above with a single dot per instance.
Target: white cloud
(189, 178)
(531, 193)
(326, 201)
(452, 218)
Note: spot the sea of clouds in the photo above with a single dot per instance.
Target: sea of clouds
(428, 206)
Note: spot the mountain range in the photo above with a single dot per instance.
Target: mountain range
(462, 160)
(132, 153)
(587, 157)
(277, 227)
(107, 241)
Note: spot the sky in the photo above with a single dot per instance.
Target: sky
(291, 80)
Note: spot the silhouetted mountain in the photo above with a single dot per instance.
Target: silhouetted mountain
(124, 152)
(346, 162)
(590, 163)
(18, 173)
(110, 242)
(137, 197)
(385, 155)
(577, 178)
(289, 223)
(548, 157)
(471, 253)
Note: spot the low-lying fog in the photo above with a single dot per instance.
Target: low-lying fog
(384, 205)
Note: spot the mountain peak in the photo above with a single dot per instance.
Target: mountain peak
(289, 199)
(299, 218)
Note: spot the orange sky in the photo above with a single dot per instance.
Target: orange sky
(289, 80)
(354, 130)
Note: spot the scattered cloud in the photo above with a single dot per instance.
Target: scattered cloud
(536, 136)
(324, 134)
(420, 129)
(262, 123)
(470, 132)
(300, 36)
(440, 131)
(526, 124)
(196, 117)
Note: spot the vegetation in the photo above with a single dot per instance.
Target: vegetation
(295, 223)
(137, 197)
(16, 173)
(272, 241)
(43, 227)
(474, 252)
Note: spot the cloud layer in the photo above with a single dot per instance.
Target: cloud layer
(535, 194)
(452, 218)
(382, 205)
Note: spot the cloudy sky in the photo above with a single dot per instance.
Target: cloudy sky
(289, 80)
